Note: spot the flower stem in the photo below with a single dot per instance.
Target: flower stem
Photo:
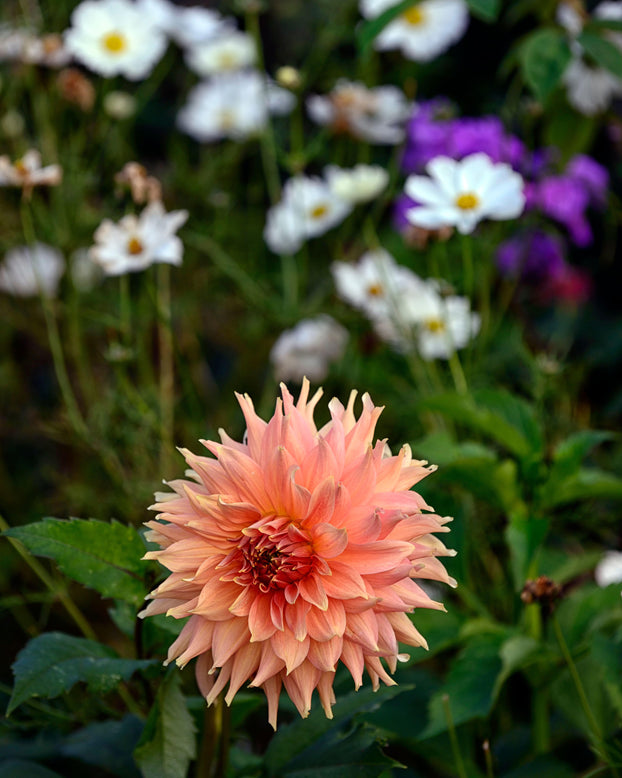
(125, 315)
(467, 260)
(457, 373)
(167, 377)
(455, 746)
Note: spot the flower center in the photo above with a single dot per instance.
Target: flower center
(467, 201)
(435, 326)
(134, 246)
(20, 167)
(375, 290)
(414, 16)
(114, 42)
(319, 211)
(227, 119)
(227, 60)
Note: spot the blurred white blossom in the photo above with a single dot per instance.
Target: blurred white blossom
(609, 569)
(232, 50)
(188, 27)
(28, 271)
(424, 30)
(113, 37)
(136, 242)
(358, 184)
(308, 349)
(27, 172)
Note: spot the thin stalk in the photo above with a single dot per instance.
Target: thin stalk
(125, 310)
(457, 374)
(467, 261)
(490, 773)
(167, 374)
(455, 746)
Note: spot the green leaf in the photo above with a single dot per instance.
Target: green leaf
(524, 536)
(494, 482)
(52, 663)
(596, 25)
(368, 31)
(303, 734)
(105, 556)
(168, 742)
(544, 57)
(106, 744)
(470, 684)
(488, 10)
(518, 652)
(570, 453)
(585, 484)
(602, 51)
(21, 768)
(505, 418)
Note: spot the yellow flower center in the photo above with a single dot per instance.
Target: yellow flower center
(20, 167)
(436, 326)
(134, 246)
(467, 201)
(319, 211)
(414, 16)
(227, 60)
(114, 42)
(227, 120)
(375, 290)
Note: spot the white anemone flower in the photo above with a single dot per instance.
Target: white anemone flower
(462, 193)
(136, 242)
(423, 31)
(375, 115)
(232, 105)
(28, 271)
(113, 37)
(359, 184)
(609, 569)
(308, 349)
(232, 50)
(308, 208)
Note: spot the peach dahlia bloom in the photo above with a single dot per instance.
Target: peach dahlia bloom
(295, 550)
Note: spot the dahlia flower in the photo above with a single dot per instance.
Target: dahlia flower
(296, 550)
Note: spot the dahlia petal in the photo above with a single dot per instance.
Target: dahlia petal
(243, 472)
(375, 557)
(205, 681)
(300, 685)
(161, 605)
(296, 618)
(409, 502)
(222, 679)
(387, 641)
(277, 603)
(325, 655)
(255, 427)
(360, 478)
(319, 464)
(324, 625)
(352, 657)
(322, 503)
(260, 619)
(272, 690)
(243, 665)
(377, 673)
(287, 498)
(362, 628)
(228, 637)
(242, 605)
(360, 436)
(327, 695)
(312, 591)
(329, 541)
(405, 630)
(269, 665)
(344, 583)
(215, 598)
(293, 652)
(194, 639)
(363, 523)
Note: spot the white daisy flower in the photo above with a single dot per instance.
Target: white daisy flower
(136, 242)
(230, 105)
(609, 569)
(308, 208)
(28, 271)
(462, 193)
(113, 37)
(359, 184)
(231, 51)
(188, 27)
(423, 31)
(375, 115)
(448, 329)
(308, 349)
(27, 172)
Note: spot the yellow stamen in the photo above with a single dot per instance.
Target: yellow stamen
(435, 325)
(319, 211)
(467, 201)
(414, 16)
(375, 290)
(134, 246)
(227, 60)
(114, 42)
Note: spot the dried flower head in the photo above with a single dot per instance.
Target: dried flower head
(76, 88)
(295, 550)
(143, 187)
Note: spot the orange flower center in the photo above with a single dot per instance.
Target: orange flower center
(467, 201)
(414, 16)
(375, 290)
(114, 42)
(134, 246)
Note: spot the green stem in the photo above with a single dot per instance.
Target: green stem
(457, 373)
(467, 260)
(167, 377)
(125, 311)
(455, 746)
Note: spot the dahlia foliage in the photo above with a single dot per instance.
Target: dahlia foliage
(294, 550)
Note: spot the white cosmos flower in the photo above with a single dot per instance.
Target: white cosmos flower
(423, 31)
(232, 105)
(448, 329)
(113, 37)
(375, 115)
(27, 171)
(609, 569)
(232, 50)
(358, 184)
(308, 349)
(188, 27)
(136, 242)
(462, 193)
(308, 208)
(31, 270)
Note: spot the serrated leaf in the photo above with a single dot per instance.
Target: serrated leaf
(544, 57)
(602, 51)
(488, 10)
(52, 663)
(368, 31)
(470, 684)
(293, 739)
(105, 556)
(507, 419)
(168, 742)
(586, 483)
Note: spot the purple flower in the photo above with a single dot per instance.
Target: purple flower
(565, 200)
(535, 256)
(401, 206)
(591, 175)
(428, 133)
(488, 135)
